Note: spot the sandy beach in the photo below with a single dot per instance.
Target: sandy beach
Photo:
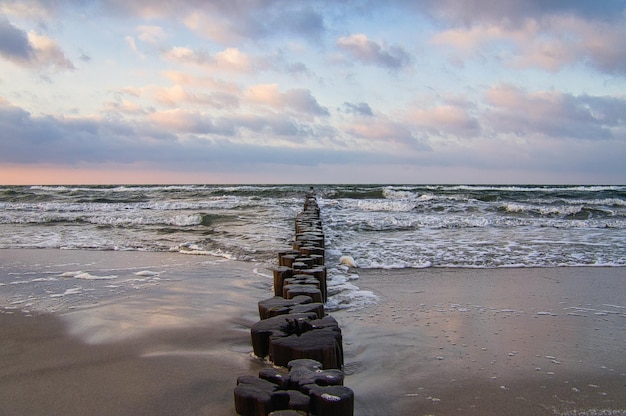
(490, 342)
(548, 341)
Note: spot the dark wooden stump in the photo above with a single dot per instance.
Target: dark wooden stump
(321, 344)
(313, 239)
(280, 306)
(288, 252)
(279, 326)
(289, 413)
(306, 260)
(251, 401)
(294, 332)
(257, 397)
(298, 401)
(302, 279)
(318, 272)
(299, 265)
(275, 375)
(280, 274)
(291, 291)
(315, 307)
(332, 401)
(304, 374)
(318, 259)
(288, 259)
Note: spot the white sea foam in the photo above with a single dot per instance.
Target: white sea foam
(68, 292)
(348, 261)
(146, 273)
(87, 276)
(344, 293)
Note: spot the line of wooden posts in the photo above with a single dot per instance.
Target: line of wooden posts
(295, 334)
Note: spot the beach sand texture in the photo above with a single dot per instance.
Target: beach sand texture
(490, 342)
(520, 341)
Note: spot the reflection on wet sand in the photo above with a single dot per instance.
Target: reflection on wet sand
(488, 342)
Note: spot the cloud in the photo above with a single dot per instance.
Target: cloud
(228, 60)
(230, 22)
(177, 95)
(31, 9)
(550, 42)
(252, 21)
(14, 44)
(186, 92)
(185, 78)
(517, 12)
(180, 121)
(123, 106)
(48, 53)
(30, 49)
(131, 43)
(359, 47)
(554, 114)
(445, 120)
(360, 109)
(150, 33)
(169, 138)
(381, 134)
(299, 100)
(188, 141)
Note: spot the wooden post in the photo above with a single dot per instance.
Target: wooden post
(294, 332)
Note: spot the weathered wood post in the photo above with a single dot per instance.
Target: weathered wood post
(294, 332)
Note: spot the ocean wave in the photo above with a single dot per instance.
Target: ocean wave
(568, 212)
(387, 226)
(355, 193)
(537, 188)
(392, 193)
(394, 205)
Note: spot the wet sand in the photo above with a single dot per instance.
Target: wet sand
(171, 347)
(490, 342)
(439, 342)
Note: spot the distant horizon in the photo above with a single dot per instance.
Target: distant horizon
(318, 184)
(424, 91)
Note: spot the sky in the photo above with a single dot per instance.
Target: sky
(336, 91)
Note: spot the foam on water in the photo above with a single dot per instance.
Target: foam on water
(146, 273)
(87, 276)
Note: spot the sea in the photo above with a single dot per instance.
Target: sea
(379, 226)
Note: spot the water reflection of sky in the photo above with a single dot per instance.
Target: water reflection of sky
(502, 323)
(107, 296)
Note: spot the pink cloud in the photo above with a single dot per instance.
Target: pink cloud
(382, 134)
(151, 33)
(550, 43)
(180, 121)
(214, 84)
(31, 49)
(229, 60)
(554, 114)
(178, 95)
(299, 100)
(445, 120)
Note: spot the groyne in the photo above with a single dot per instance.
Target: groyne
(295, 334)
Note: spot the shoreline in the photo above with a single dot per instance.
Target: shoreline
(545, 341)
